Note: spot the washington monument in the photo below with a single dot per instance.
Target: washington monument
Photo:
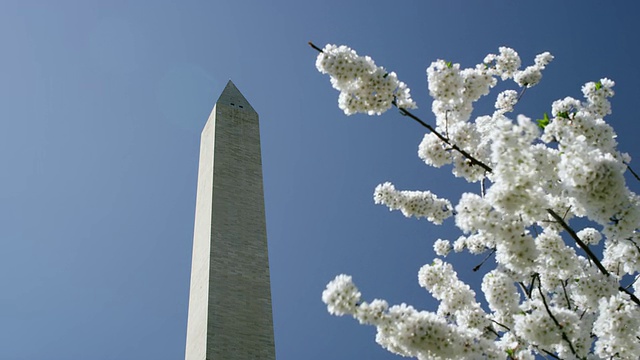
(230, 298)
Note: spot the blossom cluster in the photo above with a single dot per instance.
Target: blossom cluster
(413, 203)
(549, 292)
(406, 331)
(364, 87)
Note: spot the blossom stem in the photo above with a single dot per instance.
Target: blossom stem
(524, 89)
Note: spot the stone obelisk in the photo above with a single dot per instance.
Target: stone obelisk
(230, 298)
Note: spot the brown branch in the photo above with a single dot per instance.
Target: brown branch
(580, 243)
(566, 296)
(521, 93)
(523, 287)
(590, 253)
(315, 47)
(632, 172)
(533, 281)
(564, 335)
(551, 354)
(503, 325)
(444, 139)
(490, 329)
(631, 295)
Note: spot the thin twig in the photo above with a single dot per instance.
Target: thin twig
(631, 296)
(564, 335)
(633, 282)
(315, 47)
(490, 329)
(551, 354)
(503, 325)
(524, 89)
(632, 172)
(533, 281)
(566, 297)
(523, 287)
(477, 267)
(583, 312)
(634, 244)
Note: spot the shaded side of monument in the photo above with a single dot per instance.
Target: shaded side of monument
(230, 314)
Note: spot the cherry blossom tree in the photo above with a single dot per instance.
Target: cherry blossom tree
(549, 293)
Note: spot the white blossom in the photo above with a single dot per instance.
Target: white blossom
(505, 64)
(590, 236)
(341, 296)
(622, 256)
(502, 295)
(528, 77)
(617, 328)
(442, 247)
(445, 81)
(506, 100)
(543, 59)
(433, 151)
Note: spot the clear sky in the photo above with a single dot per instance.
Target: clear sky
(101, 108)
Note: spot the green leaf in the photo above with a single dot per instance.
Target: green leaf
(511, 353)
(542, 123)
(564, 114)
(449, 64)
(598, 85)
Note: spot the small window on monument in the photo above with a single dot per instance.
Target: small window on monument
(240, 106)
(232, 104)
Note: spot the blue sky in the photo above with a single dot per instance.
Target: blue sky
(101, 107)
